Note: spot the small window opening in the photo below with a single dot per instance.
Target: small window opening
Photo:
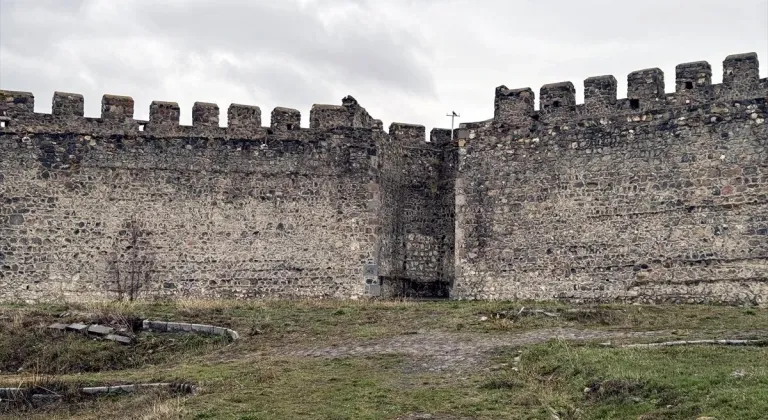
(141, 127)
(3, 124)
(634, 103)
(556, 104)
(289, 126)
(689, 85)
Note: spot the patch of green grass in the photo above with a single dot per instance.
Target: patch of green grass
(253, 378)
(349, 388)
(305, 321)
(662, 383)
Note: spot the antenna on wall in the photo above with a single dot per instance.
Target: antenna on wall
(453, 115)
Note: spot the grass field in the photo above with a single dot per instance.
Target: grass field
(394, 360)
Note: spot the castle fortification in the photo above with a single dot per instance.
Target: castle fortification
(656, 197)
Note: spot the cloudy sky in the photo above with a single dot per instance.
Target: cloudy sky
(404, 60)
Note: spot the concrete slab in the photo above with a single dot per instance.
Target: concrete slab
(78, 327)
(119, 338)
(100, 330)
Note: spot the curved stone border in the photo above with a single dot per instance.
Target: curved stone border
(164, 326)
(116, 389)
(21, 393)
(722, 342)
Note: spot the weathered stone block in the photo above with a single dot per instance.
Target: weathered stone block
(440, 136)
(557, 95)
(164, 113)
(100, 330)
(285, 119)
(692, 76)
(77, 327)
(326, 117)
(205, 114)
(68, 104)
(600, 91)
(116, 108)
(513, 105)
(245, 117)
(409, 133)
(13, 103)
(741, 72)
(160, 326)
(201, 328)
(645, 84)
(119, 338)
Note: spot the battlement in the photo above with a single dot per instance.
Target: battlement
(117, 109)
(513, 105)
(349, 114)
(205, 115)
(68, 104)
(117, 116)
(245, 117)
(163, 114)
(407, 133)
(440, 136)
(14, 103)
(514, 108)
(557, 97)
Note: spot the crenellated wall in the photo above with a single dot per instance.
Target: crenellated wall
(90, 205)
(656, 197)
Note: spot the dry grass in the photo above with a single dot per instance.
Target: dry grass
(160, 409)
(253, 379)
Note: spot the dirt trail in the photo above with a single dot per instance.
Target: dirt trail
(436, 351)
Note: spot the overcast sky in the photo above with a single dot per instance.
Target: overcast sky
(404, 60)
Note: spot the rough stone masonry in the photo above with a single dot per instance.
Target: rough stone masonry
(656, 197)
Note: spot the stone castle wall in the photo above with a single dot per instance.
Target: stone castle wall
(92, 205)
(657, 197)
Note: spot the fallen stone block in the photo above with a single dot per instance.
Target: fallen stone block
(119, 338)
(100, 330)
(108, 389)
(78, 327)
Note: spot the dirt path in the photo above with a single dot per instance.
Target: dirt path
(437, 351)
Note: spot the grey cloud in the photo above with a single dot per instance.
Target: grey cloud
(405, 60)
(296, 53)
(350, 50)
(283, 83)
